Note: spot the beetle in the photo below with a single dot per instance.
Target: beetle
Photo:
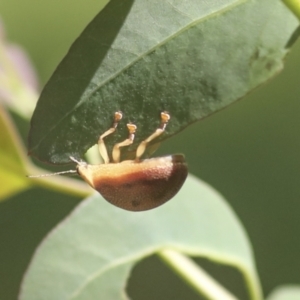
(134, 185)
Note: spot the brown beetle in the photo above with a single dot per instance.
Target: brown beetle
(134, 185)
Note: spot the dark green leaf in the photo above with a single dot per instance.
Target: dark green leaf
(190, 58)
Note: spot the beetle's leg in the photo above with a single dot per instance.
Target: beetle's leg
(116, 153)
(101, 145)
(165, 117)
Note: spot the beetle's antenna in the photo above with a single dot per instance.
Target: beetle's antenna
(59, 173)
(51, 174)
(76, 161)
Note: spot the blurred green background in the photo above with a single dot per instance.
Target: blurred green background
(250, 152)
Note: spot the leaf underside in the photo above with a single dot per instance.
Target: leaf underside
(91, 253)
(285, 292)
(191, 58)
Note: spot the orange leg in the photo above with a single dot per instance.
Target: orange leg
(116, 153)
(165, 117)
(101, 145)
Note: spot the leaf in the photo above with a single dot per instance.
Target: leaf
(90, 254)
(191, 58)
(286, 292)
(294, 6)
(18, 81)
(12, 169)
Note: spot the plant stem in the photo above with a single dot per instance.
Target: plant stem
(192, 273)
(59, 183)
(294, 6)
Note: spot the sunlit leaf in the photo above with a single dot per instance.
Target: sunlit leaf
(90, 254)
(12, 170)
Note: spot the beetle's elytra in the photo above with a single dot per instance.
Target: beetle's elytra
(137, 186)
(134, 185)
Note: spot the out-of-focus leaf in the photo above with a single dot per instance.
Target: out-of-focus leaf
(294, 6)
(18, 81)
(90, 254)
(12, 170)
(190, 58)
(286, 292)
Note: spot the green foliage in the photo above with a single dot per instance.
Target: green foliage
(288, 292)
(98, 244)
(12, 170)
(143, 57)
